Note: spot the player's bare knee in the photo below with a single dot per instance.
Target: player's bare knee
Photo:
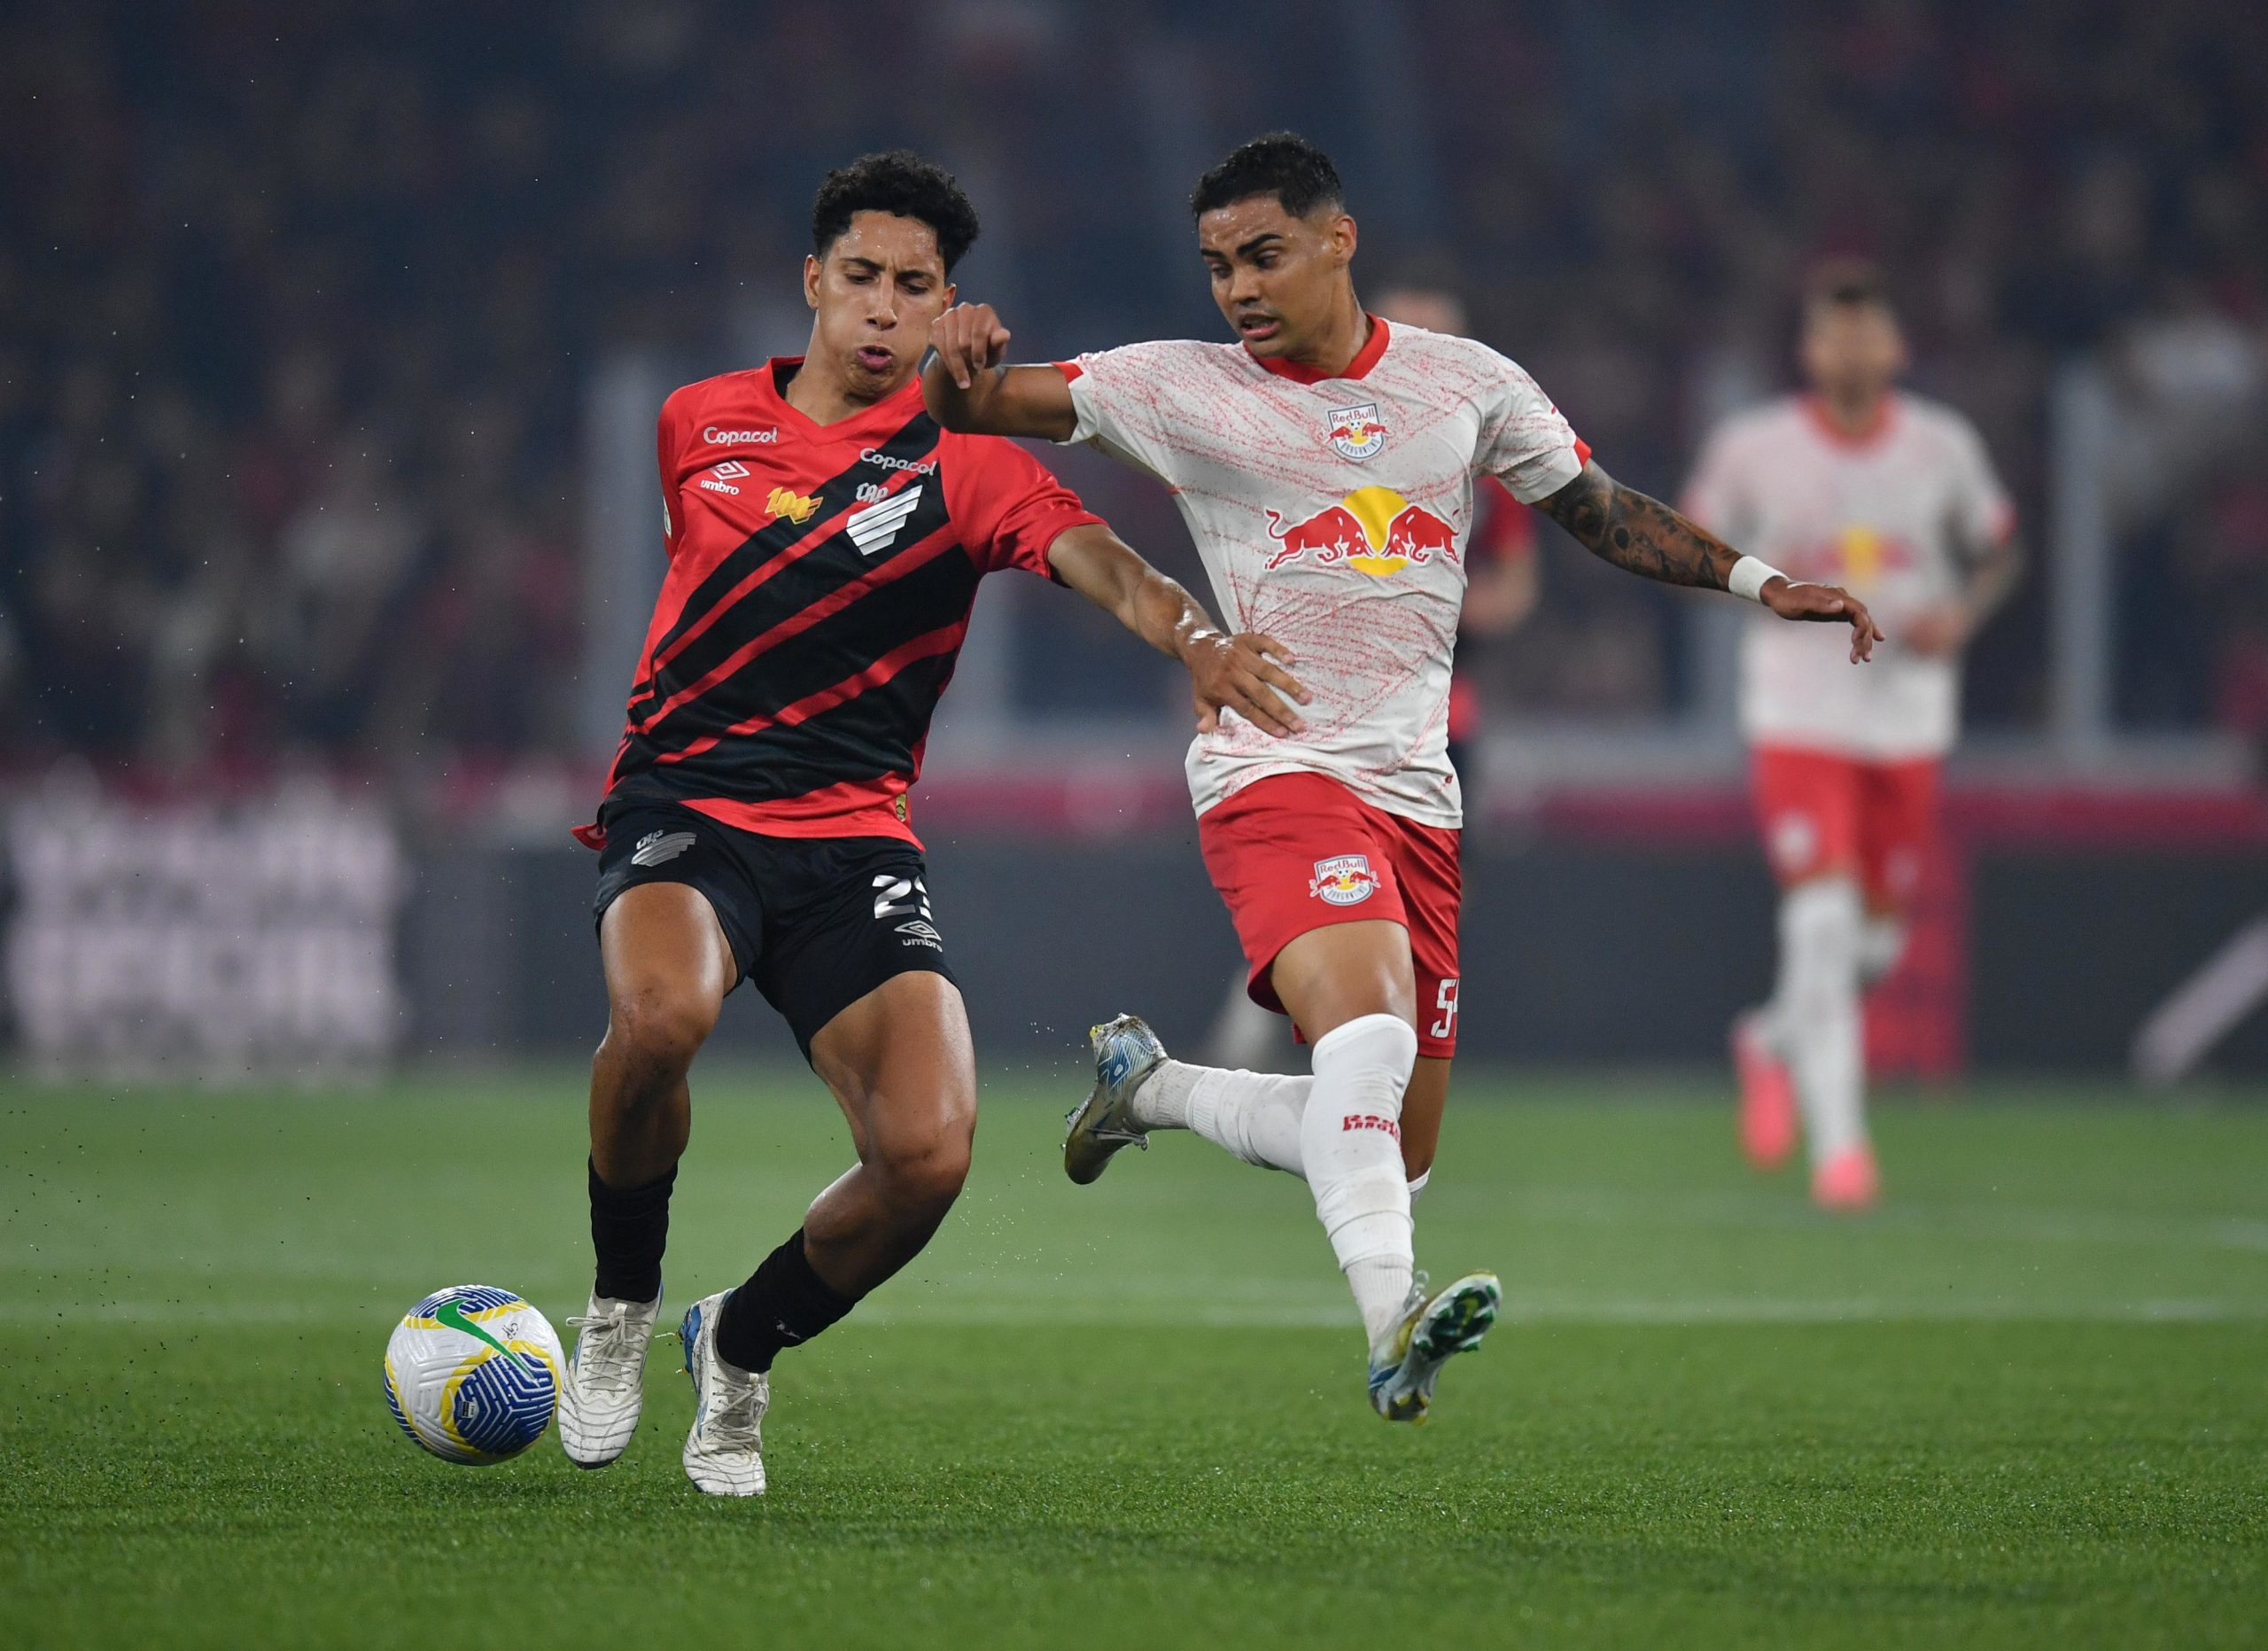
(925, 1173)
(657, 1028)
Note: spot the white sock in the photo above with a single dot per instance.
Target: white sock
(1350, 1140)
(1418, 1186)
(1881, 942)
(1161, 1100)
(1818, 1010)
(1253, 1115)
(1381, 1287)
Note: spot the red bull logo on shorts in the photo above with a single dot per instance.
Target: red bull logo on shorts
(1355, 431)
(1343, 880)
(1372, 530)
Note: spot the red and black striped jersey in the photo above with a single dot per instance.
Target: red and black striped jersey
(819, 582)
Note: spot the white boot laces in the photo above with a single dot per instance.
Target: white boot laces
(603, 1359)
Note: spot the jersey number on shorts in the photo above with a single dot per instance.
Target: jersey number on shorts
(920, 929)
(1445, 1000)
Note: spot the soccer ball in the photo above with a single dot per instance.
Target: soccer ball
(472, 1374)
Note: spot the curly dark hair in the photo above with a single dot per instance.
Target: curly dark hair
(1853, 283)
(896, 181)
(1282, 164)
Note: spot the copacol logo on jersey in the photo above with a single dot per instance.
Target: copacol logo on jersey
(1343, 880)
(1355, 431)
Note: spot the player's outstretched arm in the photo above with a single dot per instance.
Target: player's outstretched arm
(1624, 526)
(1242, 673)
(970, 387)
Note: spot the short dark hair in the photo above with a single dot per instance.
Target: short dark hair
(899, 182)
(1282, 164)
(1852, 282)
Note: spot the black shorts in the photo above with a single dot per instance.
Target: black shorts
(816, 923)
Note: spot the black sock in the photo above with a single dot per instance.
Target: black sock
(783, 1303)
(630, 1227)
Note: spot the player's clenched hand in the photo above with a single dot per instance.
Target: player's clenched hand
(1826, 605)
(968, 339)
(1244, 673)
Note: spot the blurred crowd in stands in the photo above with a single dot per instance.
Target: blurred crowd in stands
(297, 303)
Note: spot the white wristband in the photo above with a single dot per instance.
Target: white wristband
(1748, 576)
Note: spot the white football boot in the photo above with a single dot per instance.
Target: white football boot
(606, 1379)
(1434, 1330)
(1126, 1052)
(724, 1453)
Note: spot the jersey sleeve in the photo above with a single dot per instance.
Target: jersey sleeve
(1983, 514)
(669, 449)
(1525, 442)
(1715, 497)
(1124, 400)
(1007, 507)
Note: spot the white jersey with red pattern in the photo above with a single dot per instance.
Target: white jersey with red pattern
(1333, 514)
(1892, 516)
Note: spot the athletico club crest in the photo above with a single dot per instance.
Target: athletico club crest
(1355, 431)
(1343, 880)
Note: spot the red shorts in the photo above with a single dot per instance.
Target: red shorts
(1824, 813)
(1294, 851)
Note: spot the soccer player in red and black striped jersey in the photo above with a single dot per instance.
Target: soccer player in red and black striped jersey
(826, 541)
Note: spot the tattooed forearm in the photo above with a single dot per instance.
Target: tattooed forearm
(1650, 539)
(1624, 526)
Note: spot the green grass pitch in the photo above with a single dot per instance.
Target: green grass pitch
(2026, 1404)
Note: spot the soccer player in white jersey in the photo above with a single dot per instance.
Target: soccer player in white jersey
(1325, 463)
(1893, 496)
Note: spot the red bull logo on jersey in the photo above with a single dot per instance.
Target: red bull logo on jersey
(1857, 556)
(1343, 880)
(1355, 431)
(1372, 530)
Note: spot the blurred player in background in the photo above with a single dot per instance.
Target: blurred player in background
(1894, 497)
(1502, 582)
(1325, 464)
(826, 541)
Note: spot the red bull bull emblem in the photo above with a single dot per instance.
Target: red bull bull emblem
(1372, 530)
(1355, 431)
(1343, 880)
(1862, 557)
